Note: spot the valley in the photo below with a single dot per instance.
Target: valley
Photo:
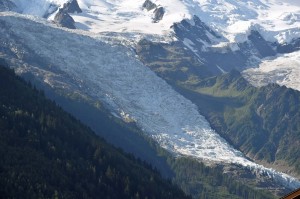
(195, 83)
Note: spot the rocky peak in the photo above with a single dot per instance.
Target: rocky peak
(201, 24)
(263, 47)
(72, 7)
(63, 19)
(158, 14)
(293, 46)
(149, 5)
(197, 32)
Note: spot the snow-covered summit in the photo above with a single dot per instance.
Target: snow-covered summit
(276, 20)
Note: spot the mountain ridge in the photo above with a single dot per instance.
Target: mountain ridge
(240, 16)
(126, 94)
(270, 111)
(185, 54)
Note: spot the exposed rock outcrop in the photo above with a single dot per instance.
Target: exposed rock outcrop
(149, 5)
(262, 46)
(158, 14)
(198, 32)
(63, 19)
(293, 46)
(72, 7)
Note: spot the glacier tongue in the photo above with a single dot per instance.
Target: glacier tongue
(282, 70)
(112, 74)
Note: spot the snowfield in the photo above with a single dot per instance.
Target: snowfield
(112, 74)
(282, 70)
(276, 20)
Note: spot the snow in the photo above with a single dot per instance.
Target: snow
(110, 73)
(221, 69)
(125, 16)
(188, 43)
(277, 20)
(36, 7)
(282, 69)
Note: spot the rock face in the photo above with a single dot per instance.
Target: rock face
(158, 14)
(158, 10)
(198, 37)
(63, 19)
(52, 9)
(290, 47)
(6, 5)
(149, 5)
(263, 47)
(72, 7)
(197, 33)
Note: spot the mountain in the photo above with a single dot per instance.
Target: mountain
(228, 102)
(126, 89)
(145, 62)
(261, 122)
(39, 139)
(220, 35)
(277, 20)
(45, 153)
(282, 70)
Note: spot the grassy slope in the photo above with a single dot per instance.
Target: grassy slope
(262, 122)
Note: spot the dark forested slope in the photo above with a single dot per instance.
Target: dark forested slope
(46, 153)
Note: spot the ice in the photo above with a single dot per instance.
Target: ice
(36, 7)
(110, 72)
(188, 43)
(282, 69)
(278, 21)
(221, 69)
(232, 18)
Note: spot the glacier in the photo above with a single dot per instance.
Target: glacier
(110, 72)
(284, 69)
